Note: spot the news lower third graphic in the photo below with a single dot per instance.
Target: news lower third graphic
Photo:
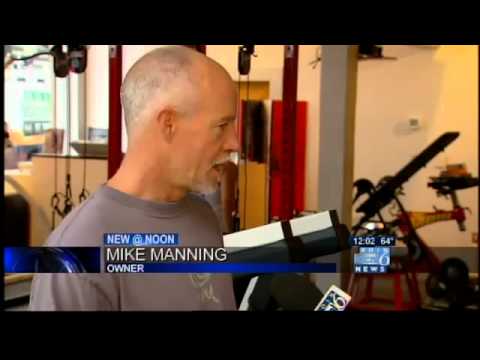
(144, 253)
(372, 254)
(373, 241)
(143, 239)
(51, 260)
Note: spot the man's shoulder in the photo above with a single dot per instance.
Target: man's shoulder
(203, 210)
(202, 204)
(198, 200)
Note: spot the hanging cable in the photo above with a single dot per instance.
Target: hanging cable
(55, 201)
(27, 58)
(236, 216)
(68, 188)
(61, 69)
(84, 192)
(67, 196)
(244, 65)
(246, 136)
(239, 104)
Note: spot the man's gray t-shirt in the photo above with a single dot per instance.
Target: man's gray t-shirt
(214, 199)
(112, 211)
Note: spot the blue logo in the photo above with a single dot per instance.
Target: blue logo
(372, 260)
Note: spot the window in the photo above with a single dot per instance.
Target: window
(29, 91)
(36, 101)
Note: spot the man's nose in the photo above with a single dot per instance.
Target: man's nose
(232, 143)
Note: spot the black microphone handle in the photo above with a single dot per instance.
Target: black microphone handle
(261, 297)
(295, 292)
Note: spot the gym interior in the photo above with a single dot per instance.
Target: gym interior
(386, 136)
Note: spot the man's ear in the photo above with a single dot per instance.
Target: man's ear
(167, 122)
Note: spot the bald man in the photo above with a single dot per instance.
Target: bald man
(180, 108)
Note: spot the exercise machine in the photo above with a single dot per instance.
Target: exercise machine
(448, 279)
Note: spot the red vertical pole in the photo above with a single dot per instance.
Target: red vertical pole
(290, 84)
(115, 110)
(300, 155)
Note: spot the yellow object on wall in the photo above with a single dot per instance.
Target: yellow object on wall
(256, 90)
(257, 195)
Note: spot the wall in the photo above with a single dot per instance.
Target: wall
(63, 112)
(97, 82)
(131, 53)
